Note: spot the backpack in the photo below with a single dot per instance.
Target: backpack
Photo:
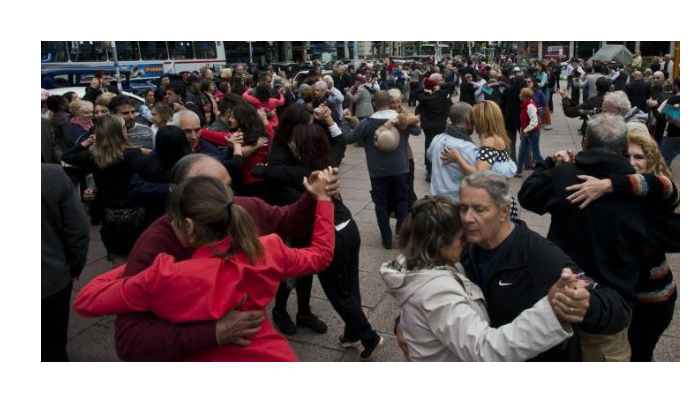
(387, 137)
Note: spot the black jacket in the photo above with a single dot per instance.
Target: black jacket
(606, 238)
(638, 91)
(434, 108)
(530, 267)
(510, 105)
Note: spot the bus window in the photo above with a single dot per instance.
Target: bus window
(205, 49)
(181, 50)
(127, 50)
(153, 50)
(87, 50)
(54, 52)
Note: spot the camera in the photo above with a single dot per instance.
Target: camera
(586, 113)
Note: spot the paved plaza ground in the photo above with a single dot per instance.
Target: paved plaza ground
(93, 339)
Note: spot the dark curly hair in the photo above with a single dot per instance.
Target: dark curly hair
(249, 123)
(313, 147)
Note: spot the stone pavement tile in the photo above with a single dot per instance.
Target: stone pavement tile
(314, 353)
(383, 316)
(668, 349)
(371, 289)
(78, 324)
(674, 262)
(352, 183)
(371, 258)
(361, 195)
(92, 270)
(96, 250)
(355, 206)
(366, 216)
(95, 344)
(369, 234)
(674, 328)
(356, 173)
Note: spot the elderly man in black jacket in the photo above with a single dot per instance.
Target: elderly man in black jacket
(434, 107)
(607, 238)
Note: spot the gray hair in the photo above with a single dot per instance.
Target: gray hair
(619, 100)
(329, 78)
(607, 132)
(435, 77)
(495, 184)
(460, 112)
(322, 85)
(177, 118)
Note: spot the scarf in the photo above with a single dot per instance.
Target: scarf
(86, 125)
(457, 132)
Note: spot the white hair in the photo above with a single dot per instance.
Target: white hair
(177, 118)
(322, 85)
(619, 100)
(435, 77)
(329, 78)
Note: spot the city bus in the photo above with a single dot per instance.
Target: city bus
(144, 59)
(438, 51)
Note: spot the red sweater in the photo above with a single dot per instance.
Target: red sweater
(206, 287)
(271, 104)
(145, 337)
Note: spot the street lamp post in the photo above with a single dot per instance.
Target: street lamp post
(250, 51)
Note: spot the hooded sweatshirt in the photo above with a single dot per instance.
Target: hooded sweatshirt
(444, 318)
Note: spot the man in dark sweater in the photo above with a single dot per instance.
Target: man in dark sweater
(145, 337)
(607, 238)
(64, 246)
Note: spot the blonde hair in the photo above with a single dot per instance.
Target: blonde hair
(105, 99)
(527, 92)
(110, 141)
(394, 93)
(655, 162)
(80, 105)
(488, 122)
(226, 73)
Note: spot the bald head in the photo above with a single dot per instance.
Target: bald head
(637, 75)
(195, 165)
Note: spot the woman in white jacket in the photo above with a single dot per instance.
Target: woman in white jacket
(443, 314)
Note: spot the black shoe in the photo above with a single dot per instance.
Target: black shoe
(347, 343)
(312, 322)
(386, 243)
(284, 322)
(370, 350)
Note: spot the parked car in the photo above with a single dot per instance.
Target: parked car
(81, 76)
(300, 77)
(290, 68)
(137, 100)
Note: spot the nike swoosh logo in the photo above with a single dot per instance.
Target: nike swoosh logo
(501, 283)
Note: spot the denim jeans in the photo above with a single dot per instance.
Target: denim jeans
(532, 142)
(670, 148)
(396, 187)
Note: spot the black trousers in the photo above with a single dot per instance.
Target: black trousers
(54, 325)
(649, 321)
(430, 133)
(303, 289)
(341, 283)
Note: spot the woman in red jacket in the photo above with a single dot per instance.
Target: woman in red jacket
(230, 267)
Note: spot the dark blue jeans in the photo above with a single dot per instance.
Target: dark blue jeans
(532, 142)
(395, 187)
(670, 148)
